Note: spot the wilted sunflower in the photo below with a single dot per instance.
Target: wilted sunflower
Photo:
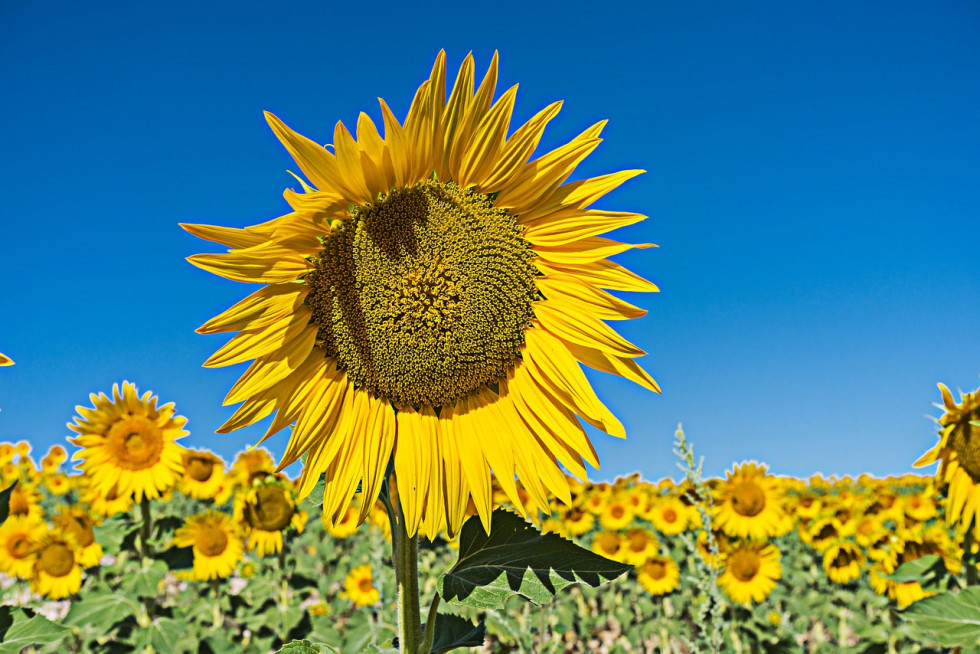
(216, 544)
(958, 453)
(659, 575)
(129, 444)
(432, 299)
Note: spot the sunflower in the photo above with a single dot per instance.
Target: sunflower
(216, 544)
(57, 572)
(748, 503)
(659, 575)
(77, 523)
(203, 474)
(842, 562)
(431, 300)
(20, 537)
(266, 511)
(958, 453)
(617, 515)
(669, 515)
(359, 586)
(751, 572)
(128, 443)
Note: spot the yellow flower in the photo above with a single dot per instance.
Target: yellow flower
(129, 444)
(751, 572)
(216, 544)
(359, 586)
(57, 573)
(266, 511)
(659, 575)
(958, 453)
(20, 538)
(842, 562)
(431, 300)
(749, 503)
(203, 474)
(617, 515)
(76, 523)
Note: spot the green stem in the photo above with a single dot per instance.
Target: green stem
(146, 550)
(405, 554)
(430, 626)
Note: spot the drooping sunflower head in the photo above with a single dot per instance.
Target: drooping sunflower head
(958, 452)
(128, 443)
(429, 297)
(216, 543)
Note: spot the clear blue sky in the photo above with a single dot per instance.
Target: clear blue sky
(814, 185)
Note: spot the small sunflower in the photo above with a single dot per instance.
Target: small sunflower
(216, 544)
(203, 474)
(751, 572)
(130, 444)
(359, 586)
(266, 510)
(659, 575)
(958, 453)
(843, 562)
(430, 298)
(748, 503)
(20, 538)
(57, 572)
(77, 523)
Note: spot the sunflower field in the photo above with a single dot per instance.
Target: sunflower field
(206, 556)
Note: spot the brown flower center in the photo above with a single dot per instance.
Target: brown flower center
(56, 559)
(748, 499)
(136, 443)
(424, 297)
(271, 510)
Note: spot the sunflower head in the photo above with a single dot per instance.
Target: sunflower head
(430, 288)
(128, 443)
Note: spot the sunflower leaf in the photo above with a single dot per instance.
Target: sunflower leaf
(515, 558)
(5, 502)
(453, 632)
(953, 619)
(928, 570)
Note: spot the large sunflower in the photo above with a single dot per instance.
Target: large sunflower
(129, 443)
(432, 298)
(958, 453)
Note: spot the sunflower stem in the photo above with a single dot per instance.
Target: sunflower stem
(405, 553)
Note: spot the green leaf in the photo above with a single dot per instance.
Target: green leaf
(306, 647)
(453, 631)
(5, 501)
(515, 558)
(101, 610)
(33, 631)
(953, 619)
(922, 569)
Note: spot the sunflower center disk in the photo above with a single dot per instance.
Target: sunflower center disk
(136, 442)
(271, 510)
(966, 443)
(199, 468)
(211, 541)
(744, 565)
(424, 297)
(748, 499)
(57, 560)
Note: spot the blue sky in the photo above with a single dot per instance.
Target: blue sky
(813, 184)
